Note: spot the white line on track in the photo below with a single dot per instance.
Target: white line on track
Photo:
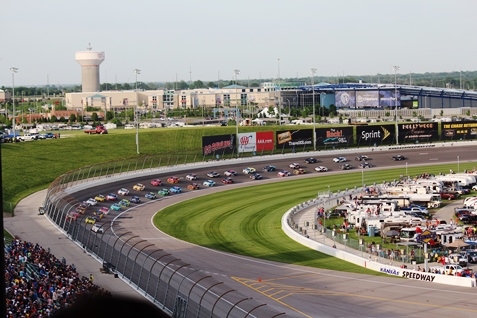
(434, 159)
(423, 153)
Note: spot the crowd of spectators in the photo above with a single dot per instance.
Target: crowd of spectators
(39, 285)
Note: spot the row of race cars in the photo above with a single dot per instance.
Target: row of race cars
(103, 204)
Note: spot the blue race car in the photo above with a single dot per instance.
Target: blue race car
(135, 199)
(209, 183)
(150, 195)
(176, 189)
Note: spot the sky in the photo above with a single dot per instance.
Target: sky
(207, 40)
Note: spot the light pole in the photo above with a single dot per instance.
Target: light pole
(406, 170)
(14, 70)
(458, 164)
(236, 72)
(396, 68)
(362, 177)
(289, 109)
(136, 115)
(313, 71)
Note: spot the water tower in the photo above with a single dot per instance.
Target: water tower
(90, 61)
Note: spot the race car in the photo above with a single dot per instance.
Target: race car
(100, 198)
(361, 158)
(111, 197)
(123, 191)
(90, 220)
(156, 182)
(191, 176)
(124, 203)
(230, 173)
(91, 201)
(365, 165)
(115, 207)
(209, 183)
(294, 165)
(173, 180)
(164, 192)
(227, 180)
(249, 170)
(283, 173)
(175, 189)
(255, 176)
(299, 171)
(269, 168)
(104, 210)
(193, 186)
(213, 174)
(72, 216)
(139, 187)
(339, 159)
(96, 228)
(150, 195)
(398, 158)
(311, 160)
(321, 169)
(135, 199)
(346, 166)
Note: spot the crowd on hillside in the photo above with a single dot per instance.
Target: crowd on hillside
(38, 284)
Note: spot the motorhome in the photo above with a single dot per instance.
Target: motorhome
(464, 181)
(436, 186)
(430, 200)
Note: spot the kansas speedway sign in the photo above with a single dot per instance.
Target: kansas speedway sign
(375, 134)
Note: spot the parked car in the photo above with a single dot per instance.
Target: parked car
(299, 171)
(111, 197)
(339, 159)
(173, 180)
(156, 182)
(472, 257)
(269, 168)
(230, 173)
(123, 191)
(321, 169)
(135, 199)
(346, 166)
(213, 174)
(447, 195)
(100, 198)
(398, 158)
(255, 176)
(311, 160)
(227, 180)
(164, 192)
(209, 183)
(150, 195)
(193, 186)
(249, 170)
(191, 176)
(361, 158)
(294, 165)
(175, 189)
(283, 173)
(139, 187)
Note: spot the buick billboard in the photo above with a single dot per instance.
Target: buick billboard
(219, 144)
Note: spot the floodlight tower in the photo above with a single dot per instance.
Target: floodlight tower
(89, 61)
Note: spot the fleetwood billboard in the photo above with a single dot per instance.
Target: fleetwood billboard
(219, 144)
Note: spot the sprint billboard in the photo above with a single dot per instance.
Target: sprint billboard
(255, 141)
(375, 134)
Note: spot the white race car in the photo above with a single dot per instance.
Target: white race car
(321, 169)
(123, 191)
(339, 159)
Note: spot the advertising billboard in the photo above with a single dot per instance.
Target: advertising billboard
(345, 99)
(255, 141)
(294, 138)
(219, 144)
(416, 132)
(367, 99)
(334, 136)
(459, 130)
(376, 135)
(389, 98)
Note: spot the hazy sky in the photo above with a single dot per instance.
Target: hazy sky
(165, 39)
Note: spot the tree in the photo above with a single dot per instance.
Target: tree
(72, 118)
(62, 119)
(109, 115)
(53, 119)
(94, 117)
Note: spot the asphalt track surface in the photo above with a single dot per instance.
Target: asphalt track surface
(302, 291)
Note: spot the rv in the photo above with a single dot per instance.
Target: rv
(464, 181)
(431, 201)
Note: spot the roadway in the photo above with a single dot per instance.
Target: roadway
(301, 291)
